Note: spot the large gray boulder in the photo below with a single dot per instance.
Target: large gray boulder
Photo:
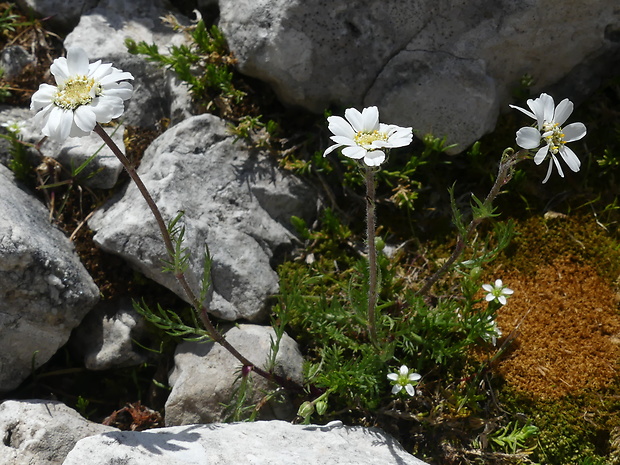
(45, 291)
(236, 201)
(41, 432)
(439, 66)
(205, 376)
(262, 442)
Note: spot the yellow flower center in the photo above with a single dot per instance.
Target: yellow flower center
(76, 91)
(365, 139)
(554, 136)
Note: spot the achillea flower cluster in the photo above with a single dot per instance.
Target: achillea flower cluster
(549, 131)
(85, 94)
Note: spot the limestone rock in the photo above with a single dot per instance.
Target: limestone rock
(44, 289)
(205, 375)
(41, 432)
(63, 14)
(105, 337)
(441, 67)
(236, 201)
(262, 442)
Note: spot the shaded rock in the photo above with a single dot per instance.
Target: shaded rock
(41, 432)
(262, 442)
(13, 60)
(423, 62)
(105, 336)
(205, 375)
(44, 289)
(100, 172)
(89, 159)
(62, 14)
(236, 201)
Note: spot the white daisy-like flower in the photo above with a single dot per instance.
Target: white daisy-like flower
(404, 379)
(550, 119)
(85, 94)
(13, 126)
(497, 292)
(364, 137)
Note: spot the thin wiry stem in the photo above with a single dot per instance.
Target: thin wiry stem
(504, 174)
(372, 253)
(200, 307)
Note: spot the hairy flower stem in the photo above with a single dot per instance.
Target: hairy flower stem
(180, 276)
(504, 174)
(372, 253)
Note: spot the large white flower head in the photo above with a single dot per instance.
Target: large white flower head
(85, 94)
(550, 119)
(364, 137)
(405, 379)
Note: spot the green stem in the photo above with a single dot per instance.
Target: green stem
(372, 253)
(504, 174)
(200, 308)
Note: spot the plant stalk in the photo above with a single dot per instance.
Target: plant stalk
(372, 253)
(504, 174)
(199, 307)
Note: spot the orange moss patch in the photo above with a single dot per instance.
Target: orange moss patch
(569, 333)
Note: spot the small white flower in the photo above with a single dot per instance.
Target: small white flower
(404, 379)
(363, 137)
(85, 94)
(493, 331)
(14, 126)
(497, 292)
(549, 119)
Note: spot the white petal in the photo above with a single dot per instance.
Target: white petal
(77, 61)
(523, 110)
(85, 118)
(489, 297)
(396, 389)
(528, 138)
(549, 170)
(574, 131)
(330, 149)
(507, 291)
(392, 376)
(557, 165)
(98, 70)
(370, 119)
(410, 390)
(339, 127)
(342, 140)
(414, 376)
(570, 158)
(498, 283)
(541, 154)
(487, 287)
(563, 111)
(122, 90)
(60, 70)
(502, 300)
(548, 106)
(354, 152)
(107, 108)
(355, 118)
(59, 124)
(114, 77)
(43, 96)
(404, 371)
(374, 158)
